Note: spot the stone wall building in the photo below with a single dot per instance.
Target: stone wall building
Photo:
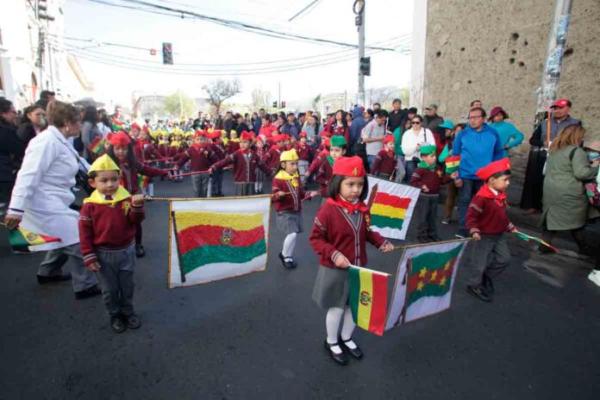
(495, 50)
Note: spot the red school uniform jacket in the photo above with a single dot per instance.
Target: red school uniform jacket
(305, 152)
(129, 175)
(291, 201)
(232, 146)
(244, 165)
(385, 162)
(334, 232)
(322, 166)
(432, 179)
(271, 158)
(487, 213)
(148, 150)
(219, 150)
(201, 157)
(164, 150)
(105, 224)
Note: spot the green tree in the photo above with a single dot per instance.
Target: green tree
(179, 105)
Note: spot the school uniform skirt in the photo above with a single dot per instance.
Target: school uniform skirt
(289, 222)
(331, 287)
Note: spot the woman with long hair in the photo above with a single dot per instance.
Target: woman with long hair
(32, 123)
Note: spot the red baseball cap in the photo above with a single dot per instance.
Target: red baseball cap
(560, 103)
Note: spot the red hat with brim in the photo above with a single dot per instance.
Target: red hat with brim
(493, 168)
(560, 103)
(246, 136)
(349, 166)
(119, 139)
(388, 139)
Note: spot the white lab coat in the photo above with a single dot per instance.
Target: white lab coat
(42, 191)
(411, 140)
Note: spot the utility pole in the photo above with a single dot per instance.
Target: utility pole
(359, 10)
(279, 94)
(556, 47)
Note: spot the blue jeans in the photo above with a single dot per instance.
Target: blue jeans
(370, 160)
(465, 194)
(411, 166)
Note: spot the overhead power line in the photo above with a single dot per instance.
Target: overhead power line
(142, 5)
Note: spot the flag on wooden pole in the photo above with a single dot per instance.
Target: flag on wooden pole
(214, 239)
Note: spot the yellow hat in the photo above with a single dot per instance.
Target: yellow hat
(289, 155)
(104, 163)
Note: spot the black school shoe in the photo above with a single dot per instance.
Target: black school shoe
(356, 353)
(341, 358)
(133, 321)
(117, 324)
(479, 292)
(487, 284)
(42, 280)
(286, 264)
(87, 293)
(139, 251)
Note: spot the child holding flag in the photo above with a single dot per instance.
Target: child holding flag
(244, 161)
(201, 157)
(385, 161)
(487, 222)
(323, 164)
(339, 237)
(287, 198)
(305, 153)
(121, 151)
(107, 227)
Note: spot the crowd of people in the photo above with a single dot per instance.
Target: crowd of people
(55, 146)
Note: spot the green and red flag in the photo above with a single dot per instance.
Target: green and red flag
(20, 239)
(368, 298)
(392, 207)
(529, 238)
(452, 164)
(229, 238)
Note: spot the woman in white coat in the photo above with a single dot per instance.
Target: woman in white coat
(42, 195)
(412, 140)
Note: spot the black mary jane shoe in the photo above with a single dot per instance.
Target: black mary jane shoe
(479, 292)
(341, 358)
(286, 264)
(487, 284)
(118, 324)
(42, 280)
(356, 353)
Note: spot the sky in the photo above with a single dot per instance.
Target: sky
(201, 42)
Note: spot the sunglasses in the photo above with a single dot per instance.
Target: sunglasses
(416, 122)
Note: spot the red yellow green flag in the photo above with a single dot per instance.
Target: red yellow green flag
(452, 164)
(368, 298)
(20, 239)
(389, 210)
(97, 146)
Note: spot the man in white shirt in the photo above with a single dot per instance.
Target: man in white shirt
(372, 135)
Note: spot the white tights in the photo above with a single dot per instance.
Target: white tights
(289, 244)
(333, 321)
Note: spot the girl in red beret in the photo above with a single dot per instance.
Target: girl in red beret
(339, 236)
(121, 151)
(487, 223)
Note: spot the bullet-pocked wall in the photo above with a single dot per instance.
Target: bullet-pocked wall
(494, 50)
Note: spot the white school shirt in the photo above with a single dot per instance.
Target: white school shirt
(42, 192)
(410, 140)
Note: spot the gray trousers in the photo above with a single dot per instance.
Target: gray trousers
(81, 277)
(244, 189)
(427, 212)
(200, 183)
(489, 256)
(116, 279)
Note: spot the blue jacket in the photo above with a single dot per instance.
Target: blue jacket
(509, 135)
(476, 150)
(358, 123)
(291, 129)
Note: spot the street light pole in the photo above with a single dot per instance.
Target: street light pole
(359, 10)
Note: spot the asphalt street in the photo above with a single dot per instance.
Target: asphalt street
(260, 336)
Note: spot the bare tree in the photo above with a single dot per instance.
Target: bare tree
(220, 90)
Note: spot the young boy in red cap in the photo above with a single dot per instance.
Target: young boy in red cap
(219, 149)
(244, 161)
(271, 157)
(487, 223)
(108, 223)
(385, 161)
(201, 157)
(339, 236)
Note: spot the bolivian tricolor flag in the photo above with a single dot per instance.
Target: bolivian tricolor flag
(392, 207)
(215, 239)
(452, 164)
(97, 146)
(368, 298)
(21, 239)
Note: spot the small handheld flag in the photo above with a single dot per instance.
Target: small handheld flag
(529, 238)
(20, 239)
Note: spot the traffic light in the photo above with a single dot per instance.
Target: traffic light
(274, 104)
(365, 66)
(167, 50)
(283, 104)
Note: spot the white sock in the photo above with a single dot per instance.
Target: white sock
(289, 244)
(151, 189)
(332, 323)
(348, 328)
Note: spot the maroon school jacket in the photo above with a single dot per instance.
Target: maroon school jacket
(244, 166)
